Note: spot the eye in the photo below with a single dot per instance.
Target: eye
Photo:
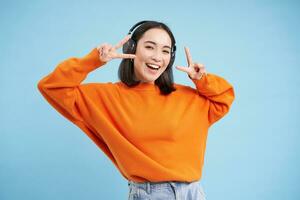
(149, 47)
(166, 52)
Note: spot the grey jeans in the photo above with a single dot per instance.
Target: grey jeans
(170, 190)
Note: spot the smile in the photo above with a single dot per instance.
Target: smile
(152, 66)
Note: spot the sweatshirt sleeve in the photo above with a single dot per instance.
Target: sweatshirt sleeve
(219, 92)
(62, 88)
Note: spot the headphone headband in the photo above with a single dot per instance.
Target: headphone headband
(142, 22)
(136, 25)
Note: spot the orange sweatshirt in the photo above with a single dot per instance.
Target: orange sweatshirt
(147, 136)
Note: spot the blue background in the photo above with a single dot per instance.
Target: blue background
(252, 153)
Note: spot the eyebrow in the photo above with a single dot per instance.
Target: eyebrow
(155, 44)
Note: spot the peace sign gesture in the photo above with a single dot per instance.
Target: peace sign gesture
(194, 70)
(108, 52)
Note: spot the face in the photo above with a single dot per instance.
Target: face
(153, 53)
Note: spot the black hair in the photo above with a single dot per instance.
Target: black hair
(126, 69)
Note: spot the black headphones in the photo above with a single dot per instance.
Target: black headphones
(130, 46)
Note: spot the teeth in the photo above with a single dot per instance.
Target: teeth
(154, 66)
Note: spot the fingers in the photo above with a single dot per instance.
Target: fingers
(122, 42)
(184, 69)
(125, 56)
(201, 68)
(106, 49)
(188, 56)
(195, 71)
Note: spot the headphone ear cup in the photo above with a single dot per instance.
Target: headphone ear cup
(129, 47)
(172, 59)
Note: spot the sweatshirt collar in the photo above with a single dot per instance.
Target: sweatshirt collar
(142, 86)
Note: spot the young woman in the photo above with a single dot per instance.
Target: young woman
(153, 130)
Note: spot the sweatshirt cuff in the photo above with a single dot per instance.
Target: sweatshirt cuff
(91, 61)
(199, 82)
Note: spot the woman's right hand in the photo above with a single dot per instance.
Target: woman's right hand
(108, 52)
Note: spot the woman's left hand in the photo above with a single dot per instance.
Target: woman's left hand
(194, 70)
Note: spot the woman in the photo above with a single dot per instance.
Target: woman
(153, 130)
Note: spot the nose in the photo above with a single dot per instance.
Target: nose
(157, 57)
